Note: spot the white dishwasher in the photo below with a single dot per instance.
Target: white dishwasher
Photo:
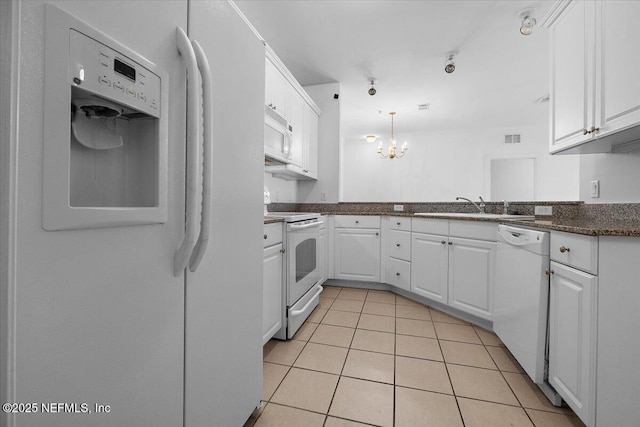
(522, 300)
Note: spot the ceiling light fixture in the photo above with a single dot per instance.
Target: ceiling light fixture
(449, 65)
(372, 90)
(370, 138)
(528, 21)
(392, 149)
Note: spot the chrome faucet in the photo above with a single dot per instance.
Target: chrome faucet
(480, 207)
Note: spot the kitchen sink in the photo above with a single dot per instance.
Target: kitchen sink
(475, 215)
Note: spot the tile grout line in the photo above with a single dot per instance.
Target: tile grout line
(446, 367)
(344, 363)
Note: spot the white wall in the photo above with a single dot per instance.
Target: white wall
(442, 165)
(282, 191)
(619, 176)
(328, 147)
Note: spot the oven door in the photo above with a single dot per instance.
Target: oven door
(303, 259)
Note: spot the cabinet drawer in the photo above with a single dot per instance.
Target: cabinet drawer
(399, 244)
(402, 223)
(575, 250)
(357, 221)
(272, 234)
(399, 273)
(474, 230)
(430, 226)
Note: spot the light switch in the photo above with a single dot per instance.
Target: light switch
(595, 189)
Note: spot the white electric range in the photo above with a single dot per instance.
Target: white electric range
(302, 268)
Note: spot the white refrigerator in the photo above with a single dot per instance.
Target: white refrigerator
(96, 327)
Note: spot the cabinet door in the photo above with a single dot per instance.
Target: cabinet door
(276, 90)
(618, 65)
(471, 275)
(572, 76)
(572, 338)
(272, 297)
(310, 142)
(297, 123)
(429, 266)
(357, 254)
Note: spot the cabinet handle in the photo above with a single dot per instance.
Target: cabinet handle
(377, 234)
(282, 251)
(398, 223)
(357, 222)
(549, 272)
(265, 237)
(398, 244)
(450, 243)
(593, 129)
(443, 242)
(564, 249)
(397, 274)
(305, 171)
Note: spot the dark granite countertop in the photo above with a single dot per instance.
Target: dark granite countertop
(609, 219)
(587, 226)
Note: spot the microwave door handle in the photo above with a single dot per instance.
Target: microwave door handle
(303, 226)
(207, 154)
(193, 153)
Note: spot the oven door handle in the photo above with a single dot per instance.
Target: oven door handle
(306, 306)
(303, 226)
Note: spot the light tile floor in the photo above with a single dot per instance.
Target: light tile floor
(369, 357)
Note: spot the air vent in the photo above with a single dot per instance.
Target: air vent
(512, 139)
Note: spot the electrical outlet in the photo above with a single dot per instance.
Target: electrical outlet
(543, 210)
(398, 208)
(595, 189)
(276, 196)
(323, 196)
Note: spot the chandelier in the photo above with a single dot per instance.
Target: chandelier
(391, 152)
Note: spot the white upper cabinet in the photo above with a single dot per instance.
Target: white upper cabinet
(595, 92)
(276, 90)
(618, 65)
(285, 96)
(310, 142)
(572, 88)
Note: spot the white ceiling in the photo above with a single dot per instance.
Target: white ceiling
(403, 44)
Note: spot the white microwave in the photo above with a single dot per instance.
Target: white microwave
(277, 136)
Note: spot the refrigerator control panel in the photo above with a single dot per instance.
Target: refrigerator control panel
(98, 69)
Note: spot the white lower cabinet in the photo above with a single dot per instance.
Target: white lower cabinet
(272, 290)
(471, 274)
(455, 271)
(357, 254)
(430, 260)
(572, 338)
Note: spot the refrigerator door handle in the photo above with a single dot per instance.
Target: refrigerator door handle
(193, 154)
(207, 154)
